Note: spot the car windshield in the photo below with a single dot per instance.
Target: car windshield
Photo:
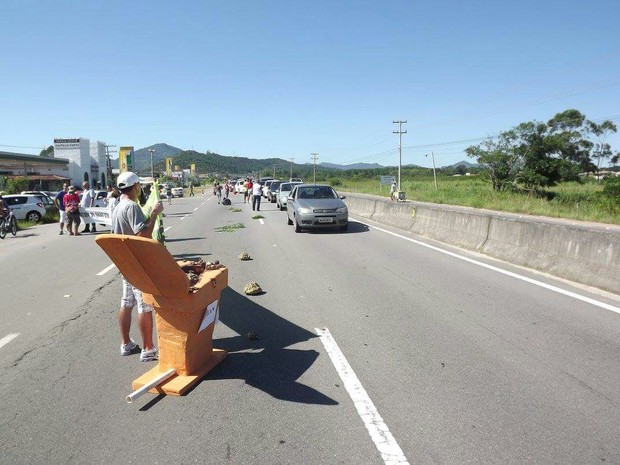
(317, 192)
(286, 187)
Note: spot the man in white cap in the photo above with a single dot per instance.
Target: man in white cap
(128, 219)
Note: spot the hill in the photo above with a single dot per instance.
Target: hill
(354, 166)
(142, 157)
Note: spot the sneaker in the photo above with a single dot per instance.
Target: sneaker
(129, 348)
(60, 233)
(148, 355)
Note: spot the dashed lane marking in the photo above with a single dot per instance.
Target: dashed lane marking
(261, 221)
(106, 269)
(6, 339)
(390, 451)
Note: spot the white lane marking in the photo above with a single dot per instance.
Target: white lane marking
(507, 273)
(260, 220)
(166, 229)
(6, 339)
(183, 218)
(195, 208)
(380, 434)
(106, 269)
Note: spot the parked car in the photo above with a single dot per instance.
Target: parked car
(26, 206)
(271, 189)
(177, 192)
(48, 201)
(100, 198)
(283, 192)
(316, 206)
(265, 187)
(295, 180)
(240, 186)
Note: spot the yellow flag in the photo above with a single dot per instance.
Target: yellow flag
(154, 198)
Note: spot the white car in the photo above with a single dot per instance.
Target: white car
(240, 187)
(26, 207)
(177, 192)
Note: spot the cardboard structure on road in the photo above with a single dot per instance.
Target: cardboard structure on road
(180, 312)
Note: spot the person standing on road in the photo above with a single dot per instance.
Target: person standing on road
(191, 189)
(60, 204)
(113, 200)
(256, 195)
(169, 193)
(128, 219)
(393, 191)
(72, 208)
(248, 190)
(88, 200)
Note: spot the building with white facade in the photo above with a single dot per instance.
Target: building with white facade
(87, 161)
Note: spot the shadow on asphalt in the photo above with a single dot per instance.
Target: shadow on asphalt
(354, 228)
(273, 368)
(186, 239)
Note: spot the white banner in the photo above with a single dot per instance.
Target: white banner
(96, 215)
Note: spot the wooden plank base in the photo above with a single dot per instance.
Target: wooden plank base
(179, 384)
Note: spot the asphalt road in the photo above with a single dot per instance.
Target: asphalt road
(423, 357)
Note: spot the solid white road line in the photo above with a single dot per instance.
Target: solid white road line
(106, 269)
(380, 434)
(195, 208)
(505, 272)
(166, 229)
(260, 220)
(183, 218)
(6, 339)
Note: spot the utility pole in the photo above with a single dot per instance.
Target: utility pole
(152, 172)
(315, 157)
(400, 133)
(434, 173)
(274, 171)
(291, 159)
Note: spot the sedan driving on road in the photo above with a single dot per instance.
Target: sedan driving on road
(316, 206)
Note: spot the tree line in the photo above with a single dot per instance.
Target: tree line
(535, 155)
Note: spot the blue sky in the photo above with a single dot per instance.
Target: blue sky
(285, 78)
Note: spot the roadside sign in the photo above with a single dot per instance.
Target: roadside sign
(388, 179)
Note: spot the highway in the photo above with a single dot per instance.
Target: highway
(375, 346)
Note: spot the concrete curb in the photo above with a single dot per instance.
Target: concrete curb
(586, 253)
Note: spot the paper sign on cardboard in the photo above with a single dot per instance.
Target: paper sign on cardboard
(210, 315)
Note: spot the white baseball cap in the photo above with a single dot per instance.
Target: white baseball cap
(127, 179)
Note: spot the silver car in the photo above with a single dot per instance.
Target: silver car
(312, 206)
(283, 192)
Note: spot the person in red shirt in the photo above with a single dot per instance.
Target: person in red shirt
(72, 208)
(248, 190)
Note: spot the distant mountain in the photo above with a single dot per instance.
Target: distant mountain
(354, 166)
(142, 157)
(464, 163)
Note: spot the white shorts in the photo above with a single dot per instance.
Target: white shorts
(133, 296)
(63, 216)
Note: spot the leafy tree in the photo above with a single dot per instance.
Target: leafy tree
(461, 170)
(500, 159)
(48, 152)
(602, 150)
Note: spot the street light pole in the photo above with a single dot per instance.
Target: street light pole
(291, 159)
(434, 173)
(152, 172)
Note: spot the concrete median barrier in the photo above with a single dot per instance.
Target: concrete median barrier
(587, 253)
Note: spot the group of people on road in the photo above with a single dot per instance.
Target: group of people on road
(69, 203)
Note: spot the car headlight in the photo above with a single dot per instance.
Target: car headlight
(304, 211)
(341, 210)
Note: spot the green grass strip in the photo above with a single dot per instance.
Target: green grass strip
(233, 209)
(257, 217)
